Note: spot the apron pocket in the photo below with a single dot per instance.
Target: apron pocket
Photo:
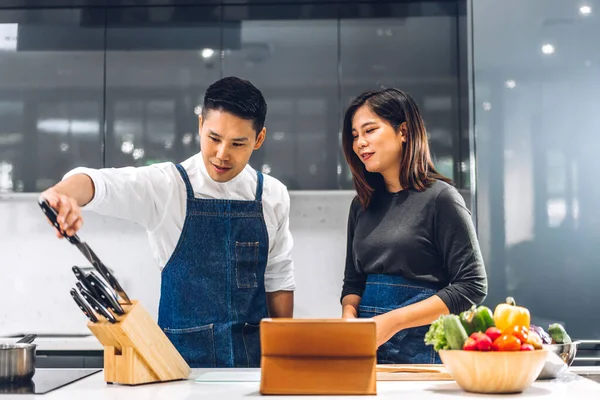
(196, 345)
(251, 336)
(246, 262)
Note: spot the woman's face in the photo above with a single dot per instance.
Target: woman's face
(376, 143)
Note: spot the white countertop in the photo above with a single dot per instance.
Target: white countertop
(94, 388)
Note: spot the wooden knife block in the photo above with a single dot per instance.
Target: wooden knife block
(318, 357)
(136, 350)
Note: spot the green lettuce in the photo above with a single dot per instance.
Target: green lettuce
(436, 336)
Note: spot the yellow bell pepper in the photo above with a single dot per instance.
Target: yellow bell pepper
(509, 314)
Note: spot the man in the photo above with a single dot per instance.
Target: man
(219, 230)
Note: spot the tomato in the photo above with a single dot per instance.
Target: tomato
(507, 343)
(521, 332)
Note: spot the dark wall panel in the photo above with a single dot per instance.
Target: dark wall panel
(51, 98)
(120, 85)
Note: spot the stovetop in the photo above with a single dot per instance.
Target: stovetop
(46, 380)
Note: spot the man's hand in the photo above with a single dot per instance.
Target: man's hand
(280, 304)
(69, 213)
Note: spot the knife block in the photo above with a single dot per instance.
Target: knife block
(318, 357)
(136, 350)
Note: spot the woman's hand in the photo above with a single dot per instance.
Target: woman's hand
(421, 313)
(386, 328)
(350, 306)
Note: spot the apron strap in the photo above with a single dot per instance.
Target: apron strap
(186, 180)
(259, 186)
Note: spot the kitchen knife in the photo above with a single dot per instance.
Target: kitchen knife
(84, 281)
(93, 293)
(83, 305)
(85, 250)
(83, 278)
(106, 294)
(100, 309)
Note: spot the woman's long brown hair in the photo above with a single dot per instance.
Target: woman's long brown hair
(416, 167)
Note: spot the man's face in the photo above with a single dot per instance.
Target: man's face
(226, 143)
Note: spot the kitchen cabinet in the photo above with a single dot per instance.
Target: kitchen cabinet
(70, 359)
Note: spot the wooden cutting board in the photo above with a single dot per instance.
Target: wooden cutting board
(412, 372)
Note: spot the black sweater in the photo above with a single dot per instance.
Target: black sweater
(426, 236)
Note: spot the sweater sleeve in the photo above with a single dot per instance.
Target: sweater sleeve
(457, 243)
(354, 279)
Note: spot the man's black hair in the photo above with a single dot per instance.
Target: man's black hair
(238, 97)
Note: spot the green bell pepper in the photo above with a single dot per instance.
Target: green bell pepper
(477, 319)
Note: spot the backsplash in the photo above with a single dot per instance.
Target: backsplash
(34, 290)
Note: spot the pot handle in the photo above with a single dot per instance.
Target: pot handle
(27, 338)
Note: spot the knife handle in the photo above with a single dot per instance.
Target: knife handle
(92, 292)
(106, 294)
(82, 277)
(100, 309)
(52, 216)
(87, 311)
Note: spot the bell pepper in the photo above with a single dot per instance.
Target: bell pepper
(477, 319)
(509, 314)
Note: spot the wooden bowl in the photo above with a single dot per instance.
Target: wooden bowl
(494, 371)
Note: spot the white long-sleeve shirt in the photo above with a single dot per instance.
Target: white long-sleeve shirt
(155, 197)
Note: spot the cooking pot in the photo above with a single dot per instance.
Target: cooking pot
(17, 360)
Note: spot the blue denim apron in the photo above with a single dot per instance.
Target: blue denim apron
(212, 288)
(384, 293)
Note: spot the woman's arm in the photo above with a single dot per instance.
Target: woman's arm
(456, 242)
(422, 313)
(354, 280)
(350, 305)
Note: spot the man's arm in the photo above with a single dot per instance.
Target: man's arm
(79, 187)
(67, 197)
(281, 304)
(141, 195)
(279, 275)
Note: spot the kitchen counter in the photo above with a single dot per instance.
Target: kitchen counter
(93, 387)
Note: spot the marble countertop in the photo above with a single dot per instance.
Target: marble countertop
(236, 384)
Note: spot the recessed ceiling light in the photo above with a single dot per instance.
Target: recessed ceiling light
(207, 53)
(510, 84)
(548, 49)
(585, 10)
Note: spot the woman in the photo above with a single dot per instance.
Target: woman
(412, 251)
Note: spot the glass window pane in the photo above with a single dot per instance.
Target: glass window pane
(159, 62)
(536, 84)
(290, 54)
(412, 47)
(51, 95)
